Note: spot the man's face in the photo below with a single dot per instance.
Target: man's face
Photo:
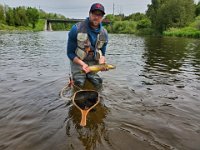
(96, 17)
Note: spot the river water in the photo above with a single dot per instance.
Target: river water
(150, 101)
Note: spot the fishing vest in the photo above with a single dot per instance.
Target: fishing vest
(84, 45)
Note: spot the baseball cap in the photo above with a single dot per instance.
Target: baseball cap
(97, 6)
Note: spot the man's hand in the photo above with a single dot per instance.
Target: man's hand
(83, 65)
(102, 60)
(85, 68)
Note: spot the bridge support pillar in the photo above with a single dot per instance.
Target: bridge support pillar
(48, 26)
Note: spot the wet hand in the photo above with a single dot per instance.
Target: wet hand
(85, 68)
(102, 60)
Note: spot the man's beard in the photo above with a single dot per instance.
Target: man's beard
(94, 23)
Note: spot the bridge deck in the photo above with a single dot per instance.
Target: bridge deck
(72, 21)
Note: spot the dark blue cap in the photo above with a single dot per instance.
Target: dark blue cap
(97, 6)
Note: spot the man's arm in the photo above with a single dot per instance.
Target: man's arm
(102, 59)
(72, 43)
(71, 47)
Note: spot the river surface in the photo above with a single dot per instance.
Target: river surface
(151, 101)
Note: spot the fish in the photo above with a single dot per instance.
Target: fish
(100, 67)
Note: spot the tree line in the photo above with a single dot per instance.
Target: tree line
(24, 16)
(165, 14)
(161, 15)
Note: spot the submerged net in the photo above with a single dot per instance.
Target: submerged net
(86, 99)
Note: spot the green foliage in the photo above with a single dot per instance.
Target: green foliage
(183, 32)
(166, 14)
(197, 9)
(113, 18)
(146, 31)
(25, 18)
(135, 17)
(68, 26)
(124, 27)
(33, 16)
(6, 27)
(2, 15)
(152, 12)
(39, 26)
(20, 17)
(128, 24)
(193, 30)
(13, 28)
(42, 14)
(144, 23)
(169, 17)
(58, 26)
(196, 23)
(10, 17)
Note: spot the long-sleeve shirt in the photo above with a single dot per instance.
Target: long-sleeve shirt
(92, 34)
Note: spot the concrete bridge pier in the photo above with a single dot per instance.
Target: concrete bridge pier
(48, 26)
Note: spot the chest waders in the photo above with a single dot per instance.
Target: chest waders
(89, 54)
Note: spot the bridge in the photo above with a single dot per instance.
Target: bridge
(48, 22)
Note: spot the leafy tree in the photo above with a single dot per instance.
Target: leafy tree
(10, 17)
(42, 14)
(144, 23)
(23, 16)
(33, 16)
(110, 17)
(135, 17)
(124, 27)
(197, 11)
(2, 15)
(113, 18)
(152, 11)
(20, 16)
(170, 13)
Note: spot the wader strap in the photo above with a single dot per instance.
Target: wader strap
(95, 48)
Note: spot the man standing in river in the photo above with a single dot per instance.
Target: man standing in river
(86, 46)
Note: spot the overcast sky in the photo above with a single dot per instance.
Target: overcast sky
(80, 8)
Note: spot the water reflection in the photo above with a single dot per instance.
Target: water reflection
(167, 58)
(140, 116)
(196, 61)
(90, 135)
(165, 55)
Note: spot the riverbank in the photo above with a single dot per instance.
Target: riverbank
(191, 31)
(183, 32)
(38, 27)
(139, 28)
(125, 27)
(144, 26)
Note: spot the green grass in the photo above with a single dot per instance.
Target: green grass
(13, 28)
(39, 27)
(183, 32)
(6, 27)
(192, 31)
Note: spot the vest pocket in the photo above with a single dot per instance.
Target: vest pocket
(98, 54)
(100, 44)
(81, 39)
(80, 53)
